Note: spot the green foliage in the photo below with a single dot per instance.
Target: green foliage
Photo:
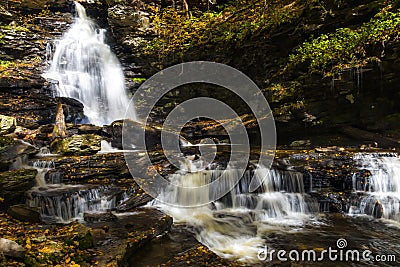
(280, 91)
(347, 48)
(139, 80)
(234, 23)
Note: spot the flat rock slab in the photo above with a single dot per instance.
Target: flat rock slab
(24, 213)
(128, 234)
(178, 247)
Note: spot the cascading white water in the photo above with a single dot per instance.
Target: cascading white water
(235, 226)
(382, 189)
(42, 167)
(87, 70)
(64, 203)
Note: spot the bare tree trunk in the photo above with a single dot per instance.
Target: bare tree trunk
(59, 129)
(185, 4)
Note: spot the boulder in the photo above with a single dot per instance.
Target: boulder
(14, 184)
(10, 150)
(85, 144)
(140, 198)
(7, 124)
(33, 107)
(110, 166)
(5, 142)
(137, 132)
(119, 239)
(24, 213)
(11, 248)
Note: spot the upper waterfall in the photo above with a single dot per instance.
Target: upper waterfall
(87, 70)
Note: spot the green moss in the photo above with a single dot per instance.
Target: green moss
(139, 80)
(15, 28)
(6, 64)
(5, 141)
(348, 48)
(86, 241)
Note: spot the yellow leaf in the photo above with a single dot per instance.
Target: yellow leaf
(28, 246)
(68, 260)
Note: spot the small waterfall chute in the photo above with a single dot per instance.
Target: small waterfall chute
(380, 191)
(62, 203)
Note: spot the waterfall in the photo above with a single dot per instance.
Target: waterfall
(42, 167)
(235, 226)
(380, 191)
(64, 203)
(88, 71)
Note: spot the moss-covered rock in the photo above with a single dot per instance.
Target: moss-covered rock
(14, 184)
(85, 144)
(7, 124)
(86, 241)
(5, 142)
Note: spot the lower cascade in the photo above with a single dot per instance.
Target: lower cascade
(62, 203)
(87, 70)
(235, 226)
(380, 190)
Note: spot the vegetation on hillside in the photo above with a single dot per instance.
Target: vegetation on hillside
(240, 22)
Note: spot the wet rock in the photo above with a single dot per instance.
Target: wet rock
(85, 144)
(89, 129)
(378, 210)
(5, 16)
(138, 199)
(124, 16)
(99, 217)
(99, 166)
(300, 143)
(5, 142)
(34, 107)
(175, 248)
(11, 248)
(17, 149)
(14, 184)
(198, 256)
(134, 135)
(7, 124)
(135, 132)
(24, 213)
(128, 234)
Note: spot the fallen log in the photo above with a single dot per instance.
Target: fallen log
(382, 141)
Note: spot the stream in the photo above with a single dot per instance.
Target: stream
(308, 201)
